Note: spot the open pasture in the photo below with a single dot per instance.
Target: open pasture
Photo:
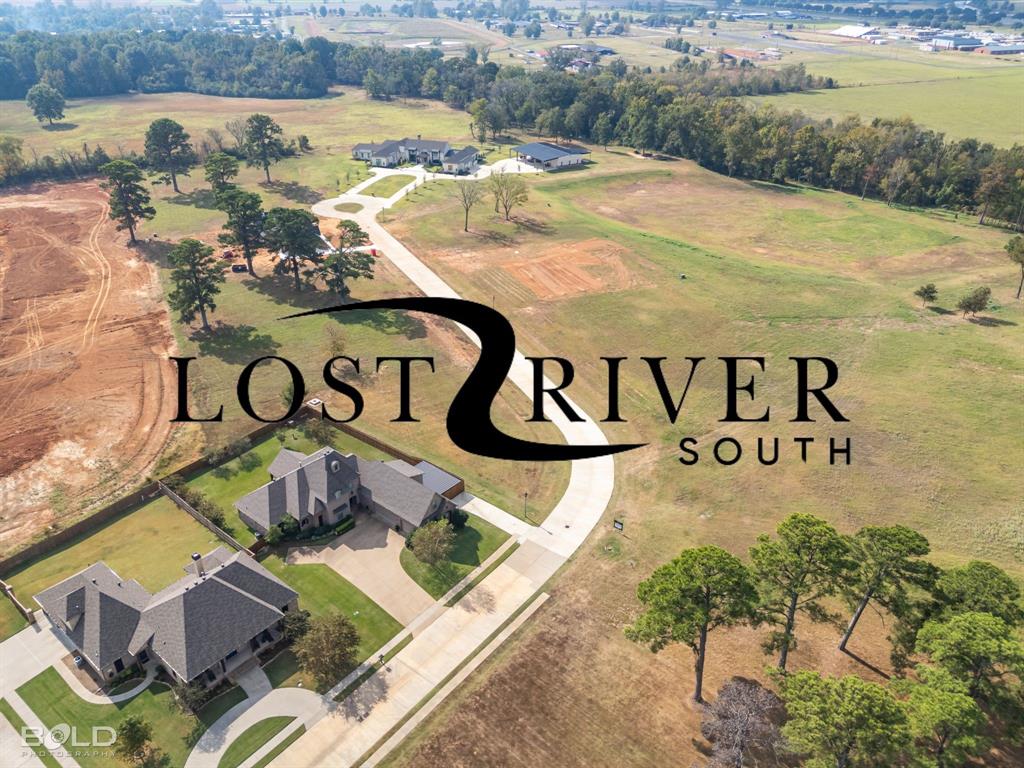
(772, 271)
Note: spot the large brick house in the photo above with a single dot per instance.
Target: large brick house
(226, 609)
(326, 486)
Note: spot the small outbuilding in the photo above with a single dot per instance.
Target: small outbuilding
(549, 156)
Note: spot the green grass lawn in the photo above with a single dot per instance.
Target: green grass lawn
(18, 724)
(173, 732)
(348, 207)
(921, 88)
(225, 484)
(388, 185)
(781, 271)
(221, 703)
(11, 620)
(272, 754)
(128, 545)
(473, 545)
(251, 739)
(322, 591)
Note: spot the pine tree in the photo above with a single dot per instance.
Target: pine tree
(129, 200)
(197, 278)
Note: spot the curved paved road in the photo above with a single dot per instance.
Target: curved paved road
(347, 732)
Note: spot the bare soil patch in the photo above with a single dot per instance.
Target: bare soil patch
(84, 375)
(590, 266)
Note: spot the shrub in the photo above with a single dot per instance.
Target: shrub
(458, 519)
(273, 535)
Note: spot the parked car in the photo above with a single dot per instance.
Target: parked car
(239, 268)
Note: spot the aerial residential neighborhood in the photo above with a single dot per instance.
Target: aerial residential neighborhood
(577, 384)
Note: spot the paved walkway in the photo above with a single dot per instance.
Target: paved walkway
(494, 515)
(253, 680)
(305, 706)
(98, 698)
(455, 637)
(368, 556)
(13, 751)
(33, 721)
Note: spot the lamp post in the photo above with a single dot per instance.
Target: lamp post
(526, 512)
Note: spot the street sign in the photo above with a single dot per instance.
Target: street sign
(618, 525)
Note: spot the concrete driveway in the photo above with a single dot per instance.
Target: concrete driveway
(29, 652)
(368, 557)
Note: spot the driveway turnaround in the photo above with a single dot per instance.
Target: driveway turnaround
(368, 556)
(461, 634)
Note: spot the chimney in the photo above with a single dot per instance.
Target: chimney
(198, 560)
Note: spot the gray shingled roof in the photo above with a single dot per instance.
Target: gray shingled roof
(192, 624)
(99, 611)
(305, 490)
(424, 145)
(461, 155)
(197, 621)
(397, 493)
(286, 461)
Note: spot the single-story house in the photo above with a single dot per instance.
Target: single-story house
(459, 161)
(326, 486)
(225, 610)
(549, 156)
(392, 152)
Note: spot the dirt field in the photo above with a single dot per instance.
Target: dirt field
(84, 340)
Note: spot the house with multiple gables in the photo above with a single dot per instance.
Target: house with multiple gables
(392, 152)
(225, 610)
(326, 487)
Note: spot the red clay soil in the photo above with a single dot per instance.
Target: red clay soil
(84, 374)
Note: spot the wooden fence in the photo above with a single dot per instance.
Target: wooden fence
(147, 492)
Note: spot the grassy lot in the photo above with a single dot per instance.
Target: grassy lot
(48, 760)
(127, 544)
(173, 732)
(933, 402)
(984, 109)
(272, 754)
(322, 591)
(217, 706)
(251, 739)
(225, 484)
(388, 185)
(473, 545)
(899, 80)
(11, 620)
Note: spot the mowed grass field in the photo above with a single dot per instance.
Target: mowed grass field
(127, 544)
(964, 95)
(592, 267)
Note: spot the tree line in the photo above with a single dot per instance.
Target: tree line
(955, 644)
(687, 112)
